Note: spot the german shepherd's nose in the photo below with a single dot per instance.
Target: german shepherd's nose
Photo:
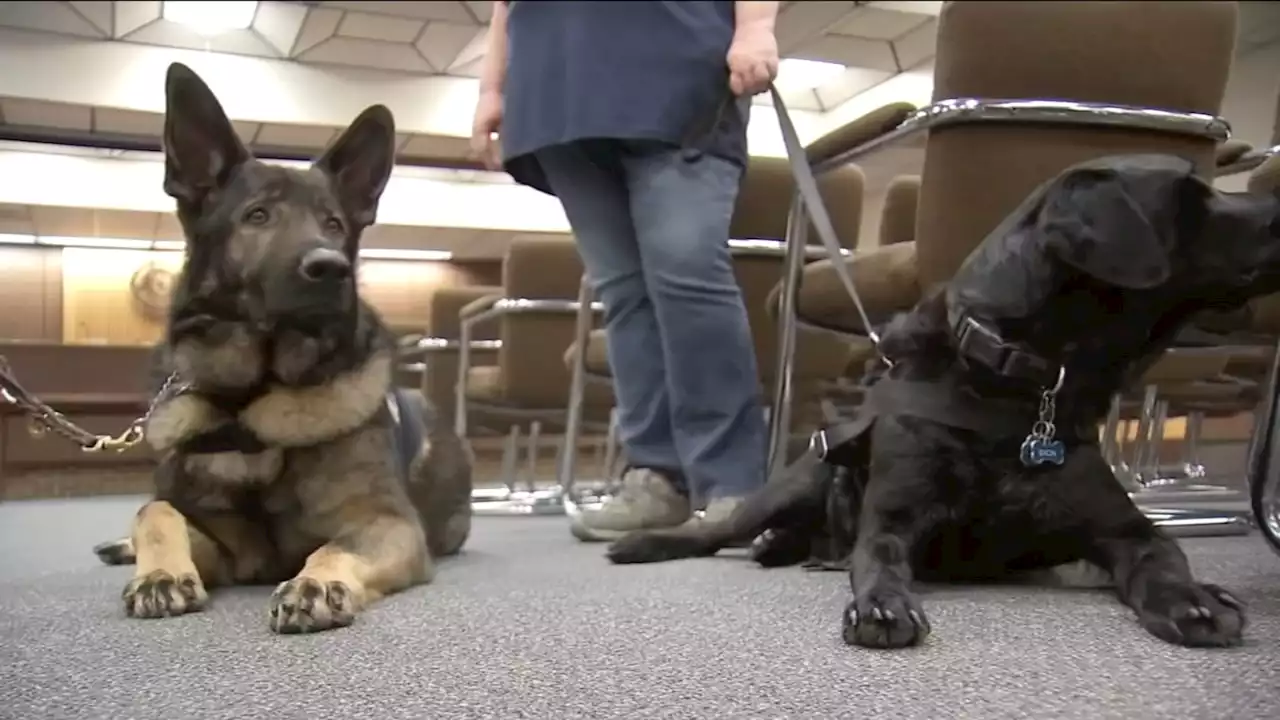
(323, 265)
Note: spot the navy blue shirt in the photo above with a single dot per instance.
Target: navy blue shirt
(628, 70)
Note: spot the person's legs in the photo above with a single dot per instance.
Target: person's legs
(681, 211)
(589, 182)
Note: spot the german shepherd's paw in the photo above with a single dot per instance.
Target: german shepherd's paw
(885, 619)
(304, 605)
(159, 593)
(1194, 615)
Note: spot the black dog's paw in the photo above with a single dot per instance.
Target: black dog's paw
(305, 605)
(1194, 615)
(885, 619)
(160, 593)
(778, 548)
(651, 547)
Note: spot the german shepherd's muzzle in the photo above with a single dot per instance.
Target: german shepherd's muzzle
(976, 456)
(287, 456)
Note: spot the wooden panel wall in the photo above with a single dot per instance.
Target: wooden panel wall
(31, 294)
(99, 305)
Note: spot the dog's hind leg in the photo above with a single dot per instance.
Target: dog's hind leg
(1151, 572)
(774, 505)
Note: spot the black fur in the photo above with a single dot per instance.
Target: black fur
(1095, 272)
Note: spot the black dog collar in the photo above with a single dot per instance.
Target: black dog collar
(978, 342)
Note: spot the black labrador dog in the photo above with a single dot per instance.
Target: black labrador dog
(976, 454)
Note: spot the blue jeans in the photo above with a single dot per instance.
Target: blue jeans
(652, 228)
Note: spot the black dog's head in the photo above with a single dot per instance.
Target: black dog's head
(1101, 266)
(271, 251)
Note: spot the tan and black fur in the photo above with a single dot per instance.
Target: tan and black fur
(269, 333)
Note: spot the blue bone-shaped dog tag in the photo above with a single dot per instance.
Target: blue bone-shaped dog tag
(1040, 451)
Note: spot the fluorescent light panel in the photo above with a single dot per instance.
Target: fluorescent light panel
(178, 245)
(797, 75)
(210, 18)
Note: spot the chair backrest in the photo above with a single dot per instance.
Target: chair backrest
(898, 216)
(531, 360)
(1164, 55)
(441, 374)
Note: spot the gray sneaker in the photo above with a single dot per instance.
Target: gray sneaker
(646, 501)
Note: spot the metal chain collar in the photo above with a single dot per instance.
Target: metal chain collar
(45, 419)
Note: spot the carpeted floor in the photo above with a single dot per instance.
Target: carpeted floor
(531, 624)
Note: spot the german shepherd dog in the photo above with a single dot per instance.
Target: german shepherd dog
(1062, 306)
(287, 456)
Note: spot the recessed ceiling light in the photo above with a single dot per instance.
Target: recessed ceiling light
(211, 18)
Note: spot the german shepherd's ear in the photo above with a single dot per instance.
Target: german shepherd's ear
(1117, 220)
(360, 162)
(201, 148)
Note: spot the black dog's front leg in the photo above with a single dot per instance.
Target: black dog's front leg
(884, 613)
(1152, 576)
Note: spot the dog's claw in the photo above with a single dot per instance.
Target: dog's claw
(884, 620)
(1193, 615)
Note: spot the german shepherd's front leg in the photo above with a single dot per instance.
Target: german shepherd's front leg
(382, 555)
(167, 578)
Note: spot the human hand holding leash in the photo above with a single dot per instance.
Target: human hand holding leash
(752, 59)
(484, 128)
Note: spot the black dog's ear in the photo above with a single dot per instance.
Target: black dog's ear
(201, 148)
(1117, 223)
(360, 162)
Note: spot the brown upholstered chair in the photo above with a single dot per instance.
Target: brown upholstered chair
(535, 317)
(992, 139)
(439, 351)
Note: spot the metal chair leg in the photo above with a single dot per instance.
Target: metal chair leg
(1110, 436)
(577, 394)
(1192, 468)
(531, 460)
(1264, 481)
(1142, 439)
(510, 459)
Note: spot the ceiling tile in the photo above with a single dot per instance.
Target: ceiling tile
(848, 51)
(367, 54)
(129, 16)
(482, 9)
(401, 139)
(294, 136)
(441, 43)
(448, 11)
(470, 69)
(875, 24)
(97, 12)
(319, 25)
(850, 83)
(386, 28)
(923, 7)
(34, 113)
(55, 17)
(435, 146)
(246, 130)
(473, 52)
(280, 24)
(127, 122)
(177, 35)
(802, 21)
(918, 45)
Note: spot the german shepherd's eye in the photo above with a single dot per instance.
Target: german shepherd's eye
(334, 225)
(257, 216)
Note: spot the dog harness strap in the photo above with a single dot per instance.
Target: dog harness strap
(940, 402)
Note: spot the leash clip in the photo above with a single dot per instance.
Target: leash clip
(818, 444)
(1041, 447)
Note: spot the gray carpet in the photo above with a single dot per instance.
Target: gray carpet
(531, 624)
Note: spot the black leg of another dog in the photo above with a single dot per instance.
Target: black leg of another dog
(884, 612)
(1152, 575)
